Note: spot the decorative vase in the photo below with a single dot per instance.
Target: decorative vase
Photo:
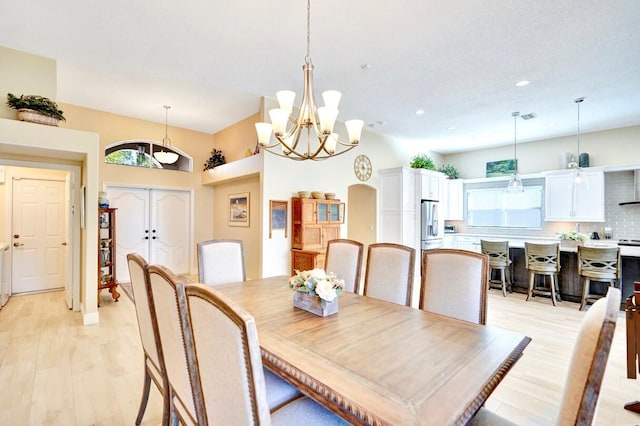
(32, 116)
(312, 304)
(583, 159)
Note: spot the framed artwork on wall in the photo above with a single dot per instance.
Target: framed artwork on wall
(239, 209)
(501, 168)
(278, 216)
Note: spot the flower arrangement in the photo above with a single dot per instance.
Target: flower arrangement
(317, 282)
(572, 235)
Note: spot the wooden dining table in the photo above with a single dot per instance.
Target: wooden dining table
(376, 362)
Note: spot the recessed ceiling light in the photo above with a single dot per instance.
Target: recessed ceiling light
(522, 83)
(451, 128)
(419, 111)
(365, 67)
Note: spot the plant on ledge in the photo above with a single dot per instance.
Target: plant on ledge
(216, 159)
(44, 106)
(317, 282)
(422, 161)
(450, 171)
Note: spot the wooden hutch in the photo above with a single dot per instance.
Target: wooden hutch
(314, 222)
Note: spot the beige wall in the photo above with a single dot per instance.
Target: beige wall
(113, 128)
(606, 148)
(25, 74)
(235, 140)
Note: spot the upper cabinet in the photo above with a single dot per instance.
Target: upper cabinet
(454, 200)
(565, 202)
(430, 185)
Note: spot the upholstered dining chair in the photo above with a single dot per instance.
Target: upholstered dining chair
(148, 329)
(344, 258)
(389, 272)
(220, 262)
(586, 368)
(168, 297)
(454, 283)
(231, 377)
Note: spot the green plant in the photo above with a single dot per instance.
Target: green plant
(216, 159)
(572, 235)
(40, 104)
(422, 161)
(449, 170)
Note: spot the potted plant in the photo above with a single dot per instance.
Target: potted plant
(450, 171)
(216, 159)
(36, 109)
(422, 161)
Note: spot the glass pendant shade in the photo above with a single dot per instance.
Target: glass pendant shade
(515, 183)
(578, 178)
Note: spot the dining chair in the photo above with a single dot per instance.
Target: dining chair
(454, 283)
(389, 272)
(600, 264)
(231, 377)
(220, 262)
(181, 400)
(543, 260)
(148, 329)
(344, 258)
(586, 368)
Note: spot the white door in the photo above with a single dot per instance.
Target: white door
(154, 223)
(39, 239)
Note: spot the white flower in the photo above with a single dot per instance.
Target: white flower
(317, 274)
(325, 290)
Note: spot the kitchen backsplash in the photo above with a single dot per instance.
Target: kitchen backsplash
(623, 221)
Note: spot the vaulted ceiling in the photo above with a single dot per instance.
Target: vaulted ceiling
(458, 61)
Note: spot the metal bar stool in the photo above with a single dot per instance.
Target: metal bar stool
(543, 259)
(600, 264)
(498, 252)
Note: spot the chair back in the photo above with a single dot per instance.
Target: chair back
(169, 299)
(221, 262)
(454, 283)
(389, 273)
(589, 360)
(344, 258)
(145, 310)
(225, 339)
(542, 257)
(498, 252)
(599, 262)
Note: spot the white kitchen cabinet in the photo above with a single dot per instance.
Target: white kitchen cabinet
(450, 241)
(466, 242)
(582, 203)
(454, 207)
(430, 185)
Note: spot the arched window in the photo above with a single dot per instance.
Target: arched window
(139, 153)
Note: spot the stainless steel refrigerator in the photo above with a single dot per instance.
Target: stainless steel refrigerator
(429, 233)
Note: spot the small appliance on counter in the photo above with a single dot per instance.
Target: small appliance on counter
(450, 229)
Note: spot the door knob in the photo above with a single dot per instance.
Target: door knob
(64, 244)
(17, 244)
(16, 235)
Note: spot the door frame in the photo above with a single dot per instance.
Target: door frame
(191, 191)
(73, 185)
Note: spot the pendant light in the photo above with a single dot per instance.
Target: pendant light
(515, 183)
(578, 177)
(168, 156)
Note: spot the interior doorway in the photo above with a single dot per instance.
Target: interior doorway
(362, 217)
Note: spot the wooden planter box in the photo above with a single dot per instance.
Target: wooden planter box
(312, 304)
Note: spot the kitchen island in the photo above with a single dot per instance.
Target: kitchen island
(570, 282)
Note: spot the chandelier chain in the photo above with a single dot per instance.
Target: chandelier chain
(307, 58)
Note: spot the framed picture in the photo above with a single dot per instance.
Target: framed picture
(278, 216)
(239, 209)
(501, 168)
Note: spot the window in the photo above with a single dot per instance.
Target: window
(497, 207)
(137, 153)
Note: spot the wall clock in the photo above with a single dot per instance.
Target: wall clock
(362, 167)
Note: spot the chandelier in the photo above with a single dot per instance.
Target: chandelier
(166, 157)
(515, 183)
(297, 142)
(577, 174)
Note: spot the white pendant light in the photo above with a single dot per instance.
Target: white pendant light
(515, 183)
(578, 178)
(166, 157)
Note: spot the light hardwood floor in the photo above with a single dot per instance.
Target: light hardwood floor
(55, 371)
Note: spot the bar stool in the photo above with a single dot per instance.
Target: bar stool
(600, 264)
(543, 259)
(498, 252)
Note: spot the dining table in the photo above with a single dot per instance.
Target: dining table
(375, 362)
